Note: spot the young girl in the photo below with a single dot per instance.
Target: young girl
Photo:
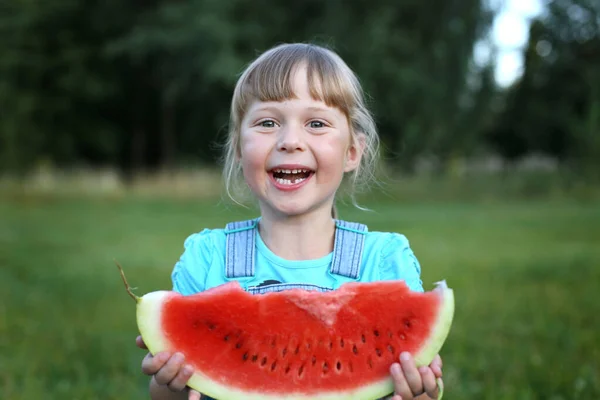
(298, 127)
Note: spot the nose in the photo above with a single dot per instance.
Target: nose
(290, 139)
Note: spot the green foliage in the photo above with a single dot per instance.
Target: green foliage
(149, 84)
(55, 86)
(142, 85)
(525, 275)
(554, 109)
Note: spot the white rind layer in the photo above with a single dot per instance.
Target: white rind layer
(221, 392)
(149, 317)
(441, 328)
(149, 311)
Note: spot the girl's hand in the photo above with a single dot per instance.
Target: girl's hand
(168, 370)
(410, 383)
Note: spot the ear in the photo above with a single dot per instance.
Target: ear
(355, 152)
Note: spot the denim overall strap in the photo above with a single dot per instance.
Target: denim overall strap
(241, 236)
(348, 248)
(240, 249)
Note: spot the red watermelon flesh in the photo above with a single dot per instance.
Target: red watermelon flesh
(297, 344)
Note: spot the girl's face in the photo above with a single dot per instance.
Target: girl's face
(294, 153)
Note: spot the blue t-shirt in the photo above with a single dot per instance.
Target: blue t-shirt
(386, 256)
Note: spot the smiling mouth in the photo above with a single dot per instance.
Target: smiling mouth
(291, 176)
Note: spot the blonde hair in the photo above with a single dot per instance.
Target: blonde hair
(269, 78)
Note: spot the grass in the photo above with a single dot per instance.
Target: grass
(526, 276)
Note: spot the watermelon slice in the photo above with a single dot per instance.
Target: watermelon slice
(296, 344)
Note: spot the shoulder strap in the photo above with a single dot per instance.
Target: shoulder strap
(348, 248)
(239, 258)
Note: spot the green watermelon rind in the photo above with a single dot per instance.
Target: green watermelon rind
(440, 330)
(149, 310)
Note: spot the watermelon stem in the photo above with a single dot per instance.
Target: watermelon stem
(127, 287)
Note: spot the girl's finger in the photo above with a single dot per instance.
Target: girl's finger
(194, 395)
(401, 388)
(436, 366)
(151, 364)
(429, 383)
(179, 382)
(169, 370)
(437, 371)
(140, 343)
(411, 374)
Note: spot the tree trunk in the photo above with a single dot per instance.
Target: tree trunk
(138, 147)
(167, 133)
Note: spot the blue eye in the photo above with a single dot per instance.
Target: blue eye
(267, 124)
(316, 124)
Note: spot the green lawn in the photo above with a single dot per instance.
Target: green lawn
(526, 277)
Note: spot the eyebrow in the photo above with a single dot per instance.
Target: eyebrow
(266, 108)
(319, 109)
(274, 108)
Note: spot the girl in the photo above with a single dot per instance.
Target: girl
(298, 127)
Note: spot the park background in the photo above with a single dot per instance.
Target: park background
(111, 119)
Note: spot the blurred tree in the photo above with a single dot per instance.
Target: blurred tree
(190, 51)
(59, 96)
(413, 62)
(555, 108)
(148, 83)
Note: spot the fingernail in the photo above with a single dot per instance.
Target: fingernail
(423, 370)
(395, 369)
(178, 357)
(162, 357)
(405, 356)
(188, 370)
